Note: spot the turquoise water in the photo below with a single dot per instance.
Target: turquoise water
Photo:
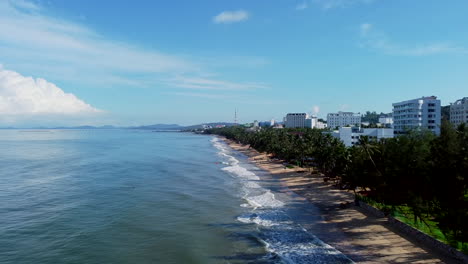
(130, 196)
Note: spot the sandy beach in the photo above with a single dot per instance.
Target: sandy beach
(362, 237)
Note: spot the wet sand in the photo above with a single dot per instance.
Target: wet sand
(362, 237)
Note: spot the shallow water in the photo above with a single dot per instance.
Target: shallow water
(129, 196)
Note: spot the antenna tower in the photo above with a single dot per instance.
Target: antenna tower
(235, 116)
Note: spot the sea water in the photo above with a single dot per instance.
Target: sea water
(134, 196)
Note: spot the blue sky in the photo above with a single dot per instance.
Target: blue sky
(187, 62)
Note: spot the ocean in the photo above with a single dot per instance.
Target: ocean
(135, 196)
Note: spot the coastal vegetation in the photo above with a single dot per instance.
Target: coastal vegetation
(372, 117)
(419, 178)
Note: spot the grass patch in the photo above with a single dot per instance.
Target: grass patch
(426, 225)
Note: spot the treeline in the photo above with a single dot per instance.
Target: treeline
(371, 117)
(425, 172)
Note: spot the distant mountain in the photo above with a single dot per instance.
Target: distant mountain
(160, 127)
(63, 127)
(86, 127)
(208, 124)
(148, 127)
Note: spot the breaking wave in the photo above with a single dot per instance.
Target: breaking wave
(281, 236)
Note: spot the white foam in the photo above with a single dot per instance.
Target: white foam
(267, 218)
(258, 221)
(290, 241)
(217, 143)
(241, 172)
(294, 245)
(252, 185)
(265, 200)
(231, 159)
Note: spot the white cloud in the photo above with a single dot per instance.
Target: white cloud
(330, 4)
(379, 41)
(212, 84)
(302, 6)
(228, 17)
(64, 43)
(316, 109)
(20, 95)
(32, 41)
(365, 29)
(26, 5)
(202, 95)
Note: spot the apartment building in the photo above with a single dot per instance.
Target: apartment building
(296, 120)
(459, 111)
(342, 119)
(351, 135)
(420, 113)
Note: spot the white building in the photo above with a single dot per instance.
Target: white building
(311, 122)
(421, 113)
(386, 121)
(302, 120)
(351, 135)
(321, 125)
(459, 111)
(342, 119)
(296, 120)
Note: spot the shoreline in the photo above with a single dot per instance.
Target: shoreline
(363, 238)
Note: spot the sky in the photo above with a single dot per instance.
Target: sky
(143, 62)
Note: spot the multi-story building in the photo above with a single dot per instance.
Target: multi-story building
(297, 120)
(459, 111)
(421, 113)
(302, 120)
(321, 125)
(386, 121)
(342, 119)
(351, 135)
(311, 122)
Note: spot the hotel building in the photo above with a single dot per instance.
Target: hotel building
(421, 113)
(459, 111)
(351, 135)
(297, 120)
(342, 119)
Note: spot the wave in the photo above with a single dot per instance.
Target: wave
(265, 200)
(281, 236)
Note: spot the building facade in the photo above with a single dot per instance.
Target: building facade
(295, 120)
(342, 119)
(351, 135)
(421, 113)
(321, 125)
(459, 111)
(311, 122)
(386, 121)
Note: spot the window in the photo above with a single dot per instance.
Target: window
(431, 110)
